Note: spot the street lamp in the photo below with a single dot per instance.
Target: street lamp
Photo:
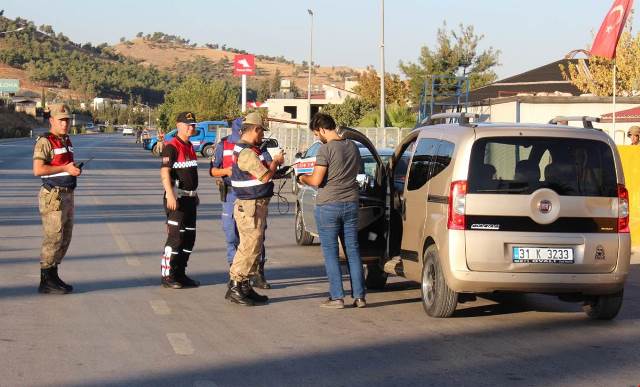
(310, 61)
(382, 123)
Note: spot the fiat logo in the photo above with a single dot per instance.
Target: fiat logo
(544, 206)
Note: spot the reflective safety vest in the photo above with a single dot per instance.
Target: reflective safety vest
(184, 171)
(62, 155)
(227, 153)
(245, 185)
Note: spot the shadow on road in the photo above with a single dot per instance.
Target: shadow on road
(432, 361)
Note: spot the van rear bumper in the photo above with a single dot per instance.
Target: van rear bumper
(588, 284)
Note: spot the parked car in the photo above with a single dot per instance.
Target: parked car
(203, 140)
(488, 207)
(304, 162)
(372, 204)
(128, 131)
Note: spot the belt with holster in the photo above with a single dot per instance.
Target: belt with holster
(182, 193)
(50, 188)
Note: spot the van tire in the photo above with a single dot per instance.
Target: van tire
(208, 151)
(438, 300)
(604, 307)
(303, 238)
(376, 278)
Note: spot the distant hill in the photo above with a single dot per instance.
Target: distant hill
(166, 55)
(143, 69)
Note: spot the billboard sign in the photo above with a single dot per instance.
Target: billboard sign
(244, 64)
(9, 85)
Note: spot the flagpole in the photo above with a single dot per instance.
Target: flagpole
(614, 98)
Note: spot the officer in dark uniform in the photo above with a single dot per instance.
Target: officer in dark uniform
(221, 169)
(53, 162)
(179, 174)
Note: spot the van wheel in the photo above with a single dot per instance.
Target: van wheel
(603, 307)
(303, 238)
(376, 278)
(208, 151)
(438, 300)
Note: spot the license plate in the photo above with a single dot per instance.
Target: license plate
(542, 255)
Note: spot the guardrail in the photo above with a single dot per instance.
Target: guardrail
(294, 140)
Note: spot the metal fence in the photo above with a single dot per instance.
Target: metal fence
(294, 140)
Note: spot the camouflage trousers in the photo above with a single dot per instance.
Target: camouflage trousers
(56, 211)
(251, 219)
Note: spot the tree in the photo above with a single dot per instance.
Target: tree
(214, 100)
(350, 112)
(595, 75)
(368, 88)
(456, 54)
(274, 84)
(395, 116)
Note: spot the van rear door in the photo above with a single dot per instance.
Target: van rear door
(541, 204)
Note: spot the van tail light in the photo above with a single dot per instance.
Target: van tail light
(623, 209)
(457, 196)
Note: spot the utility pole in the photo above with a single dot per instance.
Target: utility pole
(309, 66)
(382, 123)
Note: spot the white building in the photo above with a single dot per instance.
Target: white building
(296, 110)
(541, 94)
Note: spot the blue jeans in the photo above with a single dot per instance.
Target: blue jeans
(230, 229)
(335, 220)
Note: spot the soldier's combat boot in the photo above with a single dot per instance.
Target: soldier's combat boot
(48, 285)
(258, 280)
(171, 282)
(59, 281)
(236, 295)
(184, 280)
(252, 295)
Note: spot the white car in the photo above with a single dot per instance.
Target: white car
(127, 131)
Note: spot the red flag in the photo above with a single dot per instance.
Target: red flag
(607, 38)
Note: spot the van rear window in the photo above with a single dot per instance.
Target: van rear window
(521, 165)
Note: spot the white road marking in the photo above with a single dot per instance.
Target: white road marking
(180, 343)
(204, 383)
(121, 241)
(160, 307)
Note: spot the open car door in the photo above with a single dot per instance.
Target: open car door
(372, 235)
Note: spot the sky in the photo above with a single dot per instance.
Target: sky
(345, 32)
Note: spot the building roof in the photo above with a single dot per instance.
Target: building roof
(627, 115)
(544, 79)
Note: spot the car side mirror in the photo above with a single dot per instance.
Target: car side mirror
(298, 155)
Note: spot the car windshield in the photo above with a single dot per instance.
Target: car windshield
(521, 165)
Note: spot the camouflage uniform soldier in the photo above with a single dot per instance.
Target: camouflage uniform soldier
(53, 162)
(251, 177)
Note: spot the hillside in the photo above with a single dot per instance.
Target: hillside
(165, 56)
(143, 69)
(14, 124)
(8, 72)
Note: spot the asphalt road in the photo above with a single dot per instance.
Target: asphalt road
(121, 328)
